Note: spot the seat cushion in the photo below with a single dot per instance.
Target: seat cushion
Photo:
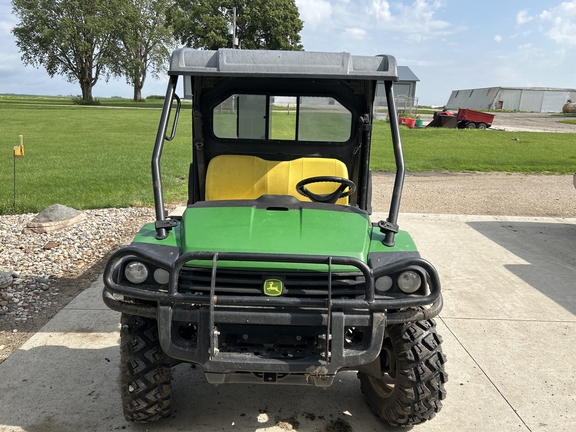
(249, 177)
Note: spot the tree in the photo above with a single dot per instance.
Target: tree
(145, 41)
(261, 24)
(74, 38)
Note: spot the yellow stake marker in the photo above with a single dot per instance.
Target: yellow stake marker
(19, 149)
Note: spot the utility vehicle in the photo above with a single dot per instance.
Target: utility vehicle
(274, 272)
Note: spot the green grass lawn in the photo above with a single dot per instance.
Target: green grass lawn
(87, 157)
(95, 157)
(476, 150)
(152, 102)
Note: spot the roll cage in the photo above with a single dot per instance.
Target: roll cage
(216, 75)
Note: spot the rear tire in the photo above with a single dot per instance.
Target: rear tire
(481, 126)
(144, 371)
(470, 125)
(411, 388)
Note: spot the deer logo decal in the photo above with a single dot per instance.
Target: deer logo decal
(273, 287)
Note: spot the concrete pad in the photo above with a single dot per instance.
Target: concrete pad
(500, 268)
(531, 363)
(54, 381)
(91, 299)
(473, 403)
(508, 328)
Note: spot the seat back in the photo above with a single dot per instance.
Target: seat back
(249, 177)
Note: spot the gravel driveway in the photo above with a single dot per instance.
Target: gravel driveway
(532, 122)
(480, 194)
(527, 122)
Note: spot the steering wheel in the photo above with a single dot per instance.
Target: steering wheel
(330, 198)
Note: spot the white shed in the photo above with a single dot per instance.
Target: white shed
(532, 99)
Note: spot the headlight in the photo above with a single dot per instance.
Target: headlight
(161, 276)
(409, 281)
(383, 283)
(136, 272)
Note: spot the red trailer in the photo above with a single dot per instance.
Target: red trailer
(470, 119)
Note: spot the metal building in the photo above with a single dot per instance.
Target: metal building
(530, 99)
(404, 87)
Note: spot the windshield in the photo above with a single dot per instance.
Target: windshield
(294, 118)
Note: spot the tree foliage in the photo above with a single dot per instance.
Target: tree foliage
(145, 41)
(85, 40)
(261, 24)
(74, 38)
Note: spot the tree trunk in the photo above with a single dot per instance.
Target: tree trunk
(87, 80)
(86, 92)
(137, 93)
(138, 83)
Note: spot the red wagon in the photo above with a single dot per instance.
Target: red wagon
(470, 119)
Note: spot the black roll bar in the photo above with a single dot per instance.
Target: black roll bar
(162, 224)
(390, 227)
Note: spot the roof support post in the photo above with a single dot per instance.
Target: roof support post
(161, 223)
(390, 227)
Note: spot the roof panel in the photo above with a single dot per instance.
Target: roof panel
(295, 64)
(406, 74)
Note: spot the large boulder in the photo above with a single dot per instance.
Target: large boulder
(54, 218)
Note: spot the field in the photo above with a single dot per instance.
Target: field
(87, 157)
(473, 150)
(95, 157)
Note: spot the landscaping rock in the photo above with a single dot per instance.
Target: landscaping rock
(54, 218)
(35, 262)
(5, 279)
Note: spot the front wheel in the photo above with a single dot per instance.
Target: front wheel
(144, 371)
(410, 387)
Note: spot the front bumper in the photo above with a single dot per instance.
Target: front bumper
(329, 316)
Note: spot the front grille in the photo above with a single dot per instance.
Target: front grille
(296, 284)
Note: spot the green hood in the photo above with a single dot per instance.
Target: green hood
(295, 231)
(302, 231)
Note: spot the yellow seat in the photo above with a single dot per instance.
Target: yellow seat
(249, 177)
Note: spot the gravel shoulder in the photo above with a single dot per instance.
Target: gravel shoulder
(501, 194)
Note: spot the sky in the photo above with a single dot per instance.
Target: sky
(448, 44)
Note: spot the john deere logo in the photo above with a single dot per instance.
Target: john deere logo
(273, 287)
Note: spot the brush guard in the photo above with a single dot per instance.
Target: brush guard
(171, 306)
